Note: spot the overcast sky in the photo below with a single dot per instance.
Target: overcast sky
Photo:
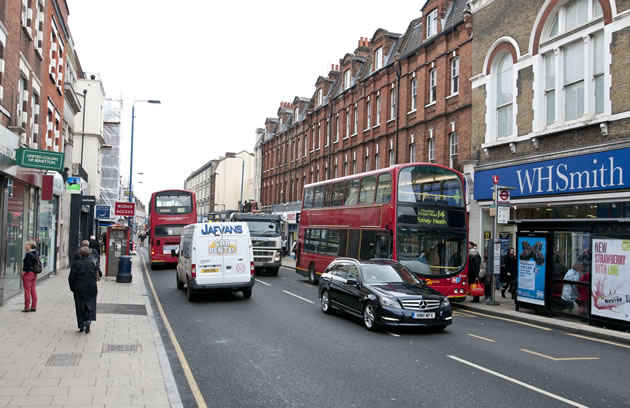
(219, 67)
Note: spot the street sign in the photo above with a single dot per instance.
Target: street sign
(124, 209)
(102, 212)
(504, 196)
(503, 214)
(495, 179)
(39, 159)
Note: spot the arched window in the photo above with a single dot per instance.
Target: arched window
(504, 96)
(571, 84)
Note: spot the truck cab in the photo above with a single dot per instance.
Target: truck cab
(266, 233)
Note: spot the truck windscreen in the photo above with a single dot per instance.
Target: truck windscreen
(264, 228)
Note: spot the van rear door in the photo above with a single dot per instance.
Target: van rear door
(237, 260)
(209, 248)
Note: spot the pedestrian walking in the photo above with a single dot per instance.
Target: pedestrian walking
(474, 264)
(82, 281)
(94, 244)
(510, 273)
(29, 277)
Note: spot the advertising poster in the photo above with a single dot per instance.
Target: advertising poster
(531, 270)
(610, 285)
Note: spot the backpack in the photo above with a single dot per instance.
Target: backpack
(38, 267)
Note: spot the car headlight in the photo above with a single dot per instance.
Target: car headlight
(445, 302)
(386, 301)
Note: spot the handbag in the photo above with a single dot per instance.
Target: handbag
(476, 288)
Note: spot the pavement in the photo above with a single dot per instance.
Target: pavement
(505, 309)
(46, 362)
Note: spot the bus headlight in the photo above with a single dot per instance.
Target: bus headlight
(386, 301)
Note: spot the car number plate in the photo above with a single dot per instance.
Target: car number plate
(209, 270)
(423, 315)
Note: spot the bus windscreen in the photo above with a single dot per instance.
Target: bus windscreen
(173, 203)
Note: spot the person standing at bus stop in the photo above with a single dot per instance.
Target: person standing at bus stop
(474, 265)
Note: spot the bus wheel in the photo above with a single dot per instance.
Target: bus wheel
(311, 274)
(180, 284)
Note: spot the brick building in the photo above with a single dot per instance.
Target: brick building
(551, 116)
(397, 98)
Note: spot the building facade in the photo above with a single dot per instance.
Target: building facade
(201, 182)
(397, 98)
(551, 115)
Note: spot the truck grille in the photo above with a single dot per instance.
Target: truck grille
(420, 304)
(263, 243)
(263, 256)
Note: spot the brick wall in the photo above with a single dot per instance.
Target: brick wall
(620, 49)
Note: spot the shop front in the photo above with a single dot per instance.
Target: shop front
(570, 226)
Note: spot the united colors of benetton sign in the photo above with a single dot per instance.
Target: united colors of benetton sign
(577, 174)
(39, 159)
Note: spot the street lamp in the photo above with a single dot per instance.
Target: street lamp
(133, 116)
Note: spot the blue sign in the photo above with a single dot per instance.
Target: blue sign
(576, 174)
(102, 212)
(531, 270)
(208, 229)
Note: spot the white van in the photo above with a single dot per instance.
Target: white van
(216, 255)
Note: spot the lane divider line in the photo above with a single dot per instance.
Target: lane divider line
(263, 282)
(559, 358)
(194, 388)
(298, 296)
(515, 381)
(482, 338)
(510, 320)
(612, 343)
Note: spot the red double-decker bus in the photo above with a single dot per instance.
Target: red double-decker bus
(414, 213)
(169, 212)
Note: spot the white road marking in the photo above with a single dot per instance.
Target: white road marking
(263, 282)
(515, 381)
(558, 358)
(482, 338)
(600, 340)
(298, 296)
(393, 334)
(509, 320)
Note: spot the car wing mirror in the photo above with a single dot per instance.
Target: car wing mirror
(351, 282)
(174, 253)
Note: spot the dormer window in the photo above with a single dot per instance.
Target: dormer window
(320, 97)
(378, 59)
(346, 79)
(432, 23)
(297, 115)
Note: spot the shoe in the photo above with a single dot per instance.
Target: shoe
(81, 329)
(26, 310)
(33, 309)
(503, 293)
(87, 327)
(474, 301)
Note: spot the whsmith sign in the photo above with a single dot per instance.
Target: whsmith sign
(39, 159)
(577, 174)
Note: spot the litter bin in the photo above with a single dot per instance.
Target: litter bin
(124, 269)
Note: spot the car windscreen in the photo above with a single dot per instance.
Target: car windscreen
(383, 273)
(174, 230)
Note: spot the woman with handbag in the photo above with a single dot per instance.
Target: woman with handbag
(474, 264)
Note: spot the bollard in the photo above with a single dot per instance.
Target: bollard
(124, 269)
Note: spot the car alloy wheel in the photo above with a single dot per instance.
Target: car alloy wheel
(369, 316)
(325, 303)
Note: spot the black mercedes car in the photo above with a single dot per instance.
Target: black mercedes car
(382, 292)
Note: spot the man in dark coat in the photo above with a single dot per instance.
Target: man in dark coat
(474, 265)
(94, 244)
(82, 280)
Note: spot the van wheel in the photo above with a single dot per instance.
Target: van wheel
(247, 293)
(190, 295)
(311, 274)
(274, 271)
(180, 284)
